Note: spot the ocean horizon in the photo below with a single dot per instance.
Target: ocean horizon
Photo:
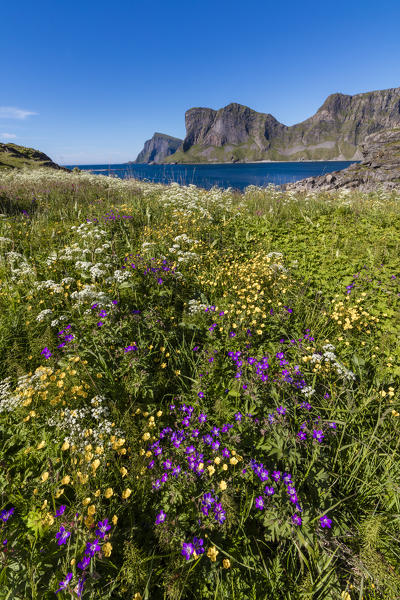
(237, 176)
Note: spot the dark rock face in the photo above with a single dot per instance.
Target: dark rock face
(380, 167)
(14, 156)
(159, 147)
(335, 132)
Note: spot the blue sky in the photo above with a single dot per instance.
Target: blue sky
(88, 82)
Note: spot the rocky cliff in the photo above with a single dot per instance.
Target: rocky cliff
(13, 156)
(159, 147)
(380, 167)
(237, 133)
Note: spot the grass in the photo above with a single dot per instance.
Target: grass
(134, 315)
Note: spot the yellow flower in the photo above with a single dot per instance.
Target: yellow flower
(212, 553)
(146, 436)
(95, 464)
(114, 519)
(224, 467)
(123, 471)
(233, 460)
(82, 478)
(107, 549)
(91, 509)
(211, 470)
(89, 521)
(108, 493)
(65, 446)
(97, 493)
(217, 460)
(45, 476)
(345, 595)
(86, 501)
(126, 493)
(41, 445)
(137, 596)
(65, 480)
(73, 561)
(227, 563)
(222, 485)
(159, 413)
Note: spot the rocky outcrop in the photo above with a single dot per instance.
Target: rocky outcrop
(14, 156)
(380, 167)
(159, 147)
(237, 133)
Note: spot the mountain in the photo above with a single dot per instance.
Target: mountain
(158, 148)
(14, 156)
(380, 167)
(237, 133)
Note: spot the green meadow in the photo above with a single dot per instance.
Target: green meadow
(199, 391)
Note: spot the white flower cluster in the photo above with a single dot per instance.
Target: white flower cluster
(56, 322)
(18, 266)
(43, 314)
(193, 201)
(8, 400)
(89, 294)
(329, 356)
(308, 391)
(195, 306)
(183, 256)
(49, 285)
(4, 240)
(87, 425)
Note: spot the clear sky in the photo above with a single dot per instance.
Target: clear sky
(88, 82)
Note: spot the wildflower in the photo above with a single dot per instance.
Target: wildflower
(123, 471)
(281, 410)
(296, 519)
(79, 587)
(325, 522)
(45, 476)
(302, 435)
(202, 417)
(115, 519)
(269, 491)
(65, 446)
(85, 562)
(212, 553)
(318, 435)
(226, 563)
(160, 517)
(201, 394)
(233, 460)
(103, 527)
(107, 547)
(65, 480)
(92, 547)
(187, 550)
(91, 509)
(6, 514)
(64, 584)
(126, 493)
(108, 493)
(276, 475)
(60, 511)
(259, 503)
(137, 596)
(211, 470)
(62, 536)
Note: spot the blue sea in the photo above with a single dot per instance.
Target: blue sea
(237, 176)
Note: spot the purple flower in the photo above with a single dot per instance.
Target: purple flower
(238, 416)
(281, 410)
(92, 547)
(6, 514)
(296, 519)
(196, 348)
(176, 470)
(318, 435)
(64, 584)
(259, 502)
(79, 587)
(219, 513)
(195, 433)
(62, 536)
(332, 425)
(302, 435)
(151, 464)
(276, 475)
(167, 464)
(103, 527)
(85, 562)
(160, 517)
(226, 453)
(60, 511)
(201, 394)
(325, 522)
(269, 491)
(190, 449)
(208, 499)
(198, 545)
(232, 334)
(164, 477)
(215, 445)
(263, 475)
(187, 550)
(99, 324)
